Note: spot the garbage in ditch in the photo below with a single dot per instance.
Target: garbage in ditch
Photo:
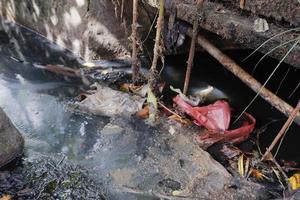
(109, 102)
(216, 119)
(137, 138)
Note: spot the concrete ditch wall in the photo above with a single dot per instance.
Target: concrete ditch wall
(93, 29)
(88, 28)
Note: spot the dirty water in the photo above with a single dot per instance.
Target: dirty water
(37, 106)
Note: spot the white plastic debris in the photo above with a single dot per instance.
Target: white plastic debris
(172, 130)
(261, 25)
(108, 102)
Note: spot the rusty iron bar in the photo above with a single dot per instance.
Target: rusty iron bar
(282, 131)
(251, 82)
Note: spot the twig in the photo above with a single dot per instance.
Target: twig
(296, 88)
(286, 178)
(282, 80)
(122, 10)
(156, 52)
(269, 52)
(190, 61)
(62, 159)
(150, 29)
(271, 38)
(242, 4)
(270, 76)
(287, 124)
(169, 110)
(232, 66)
(67, 71)
(135, 65)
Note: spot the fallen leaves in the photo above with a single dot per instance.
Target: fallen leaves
(176, 193)
(245, 169)
(243, 166)
(230, 151)
(295, 181)
(6, 197)
(143, 113)
(153, 105)
(257, 174)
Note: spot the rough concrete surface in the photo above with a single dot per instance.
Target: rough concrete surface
(11, 141)
(227, 20)
(88, 28)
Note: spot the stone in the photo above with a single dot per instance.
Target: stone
(11, 141)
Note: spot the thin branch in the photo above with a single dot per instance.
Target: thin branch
(135, 65)
(287, 124)
(190, 61)
(271, 38)
(233, 67)
(122, 10)
(279, 46)
(150, 29)
(156, 52)
(271, 75)
(296, 88)
(169, 110)
(286, 178)
(282, 80)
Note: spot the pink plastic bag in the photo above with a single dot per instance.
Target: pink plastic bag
(216, 118)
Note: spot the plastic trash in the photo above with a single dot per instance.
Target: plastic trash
(108, 102)
(216, 119)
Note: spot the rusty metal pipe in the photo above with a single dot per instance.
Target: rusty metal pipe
(251, 82)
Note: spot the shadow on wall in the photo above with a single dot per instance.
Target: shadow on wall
(87, 28)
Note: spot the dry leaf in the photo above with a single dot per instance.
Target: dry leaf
(152, 103)
(88, 64)
(176, 192)
(269, 157)
(277, 174)
(241, 165)
(125, 87)
(257, 174)
(295, 181)
(180, 119)
(144, 113)
(247, 164)
(230, 151)
(6, 197)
